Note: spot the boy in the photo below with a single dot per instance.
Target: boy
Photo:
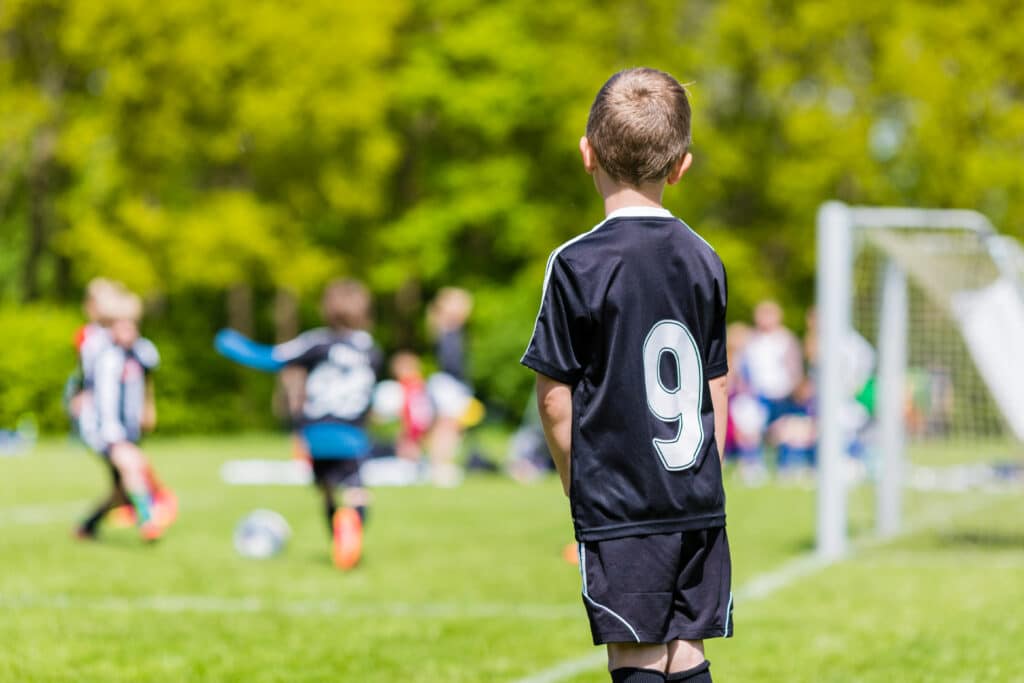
(117, 408)
(330, 408)
(629, 350)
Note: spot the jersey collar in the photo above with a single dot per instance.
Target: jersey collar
(639, 212)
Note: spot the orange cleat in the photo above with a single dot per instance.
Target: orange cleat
(571, 554)
(151, 531)
(348, 538)
(165, 507)
(123, 516)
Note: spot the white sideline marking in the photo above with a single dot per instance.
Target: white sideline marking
(67, 512)
(763, 585)
(209, 604)
(568, 669)
(42, 513)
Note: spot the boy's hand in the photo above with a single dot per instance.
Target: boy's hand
(554, 402)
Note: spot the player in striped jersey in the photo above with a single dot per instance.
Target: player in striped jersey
(115, 407)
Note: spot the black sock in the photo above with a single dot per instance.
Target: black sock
(632, 675)
(93, 521)
(698, 674)
(330, 507)
(364, 512)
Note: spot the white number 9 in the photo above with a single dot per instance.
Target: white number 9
(681, 404)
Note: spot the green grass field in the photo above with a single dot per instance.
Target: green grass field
(468, 585)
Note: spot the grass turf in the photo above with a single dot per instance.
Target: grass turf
(467, 585)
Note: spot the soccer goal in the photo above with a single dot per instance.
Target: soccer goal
(921, 364)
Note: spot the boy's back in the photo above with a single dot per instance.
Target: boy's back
(620, 302)
(629, 347)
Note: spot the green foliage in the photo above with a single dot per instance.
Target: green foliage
(199, 146)
(196, 389)
(38, 358)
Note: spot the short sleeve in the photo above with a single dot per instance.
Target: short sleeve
(717, 363)
(146, 353)
(558, 348)
(301, 350)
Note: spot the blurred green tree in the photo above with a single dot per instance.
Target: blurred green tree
(220, 152)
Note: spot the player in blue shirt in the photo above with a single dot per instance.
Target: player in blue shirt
(630, 354)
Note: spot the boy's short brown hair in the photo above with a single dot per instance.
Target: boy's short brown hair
(346, 305)
(639, 125)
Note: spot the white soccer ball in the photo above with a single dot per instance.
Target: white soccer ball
(388, 399)
(262, 534)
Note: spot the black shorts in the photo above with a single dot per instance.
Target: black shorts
(658, 588)
(336, 472)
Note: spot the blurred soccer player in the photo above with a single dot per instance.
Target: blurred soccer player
(90, 339)
(117, 408)
(630, 354)
(329, 409)
(416, 413)
(449, 388)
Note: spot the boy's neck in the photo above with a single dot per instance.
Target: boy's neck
(620, 196)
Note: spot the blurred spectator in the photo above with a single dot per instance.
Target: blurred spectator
(446, 317)
(795, 435)
(449, 389)
(773, 361)
(747, 416)
(416, 413)
(857, 367)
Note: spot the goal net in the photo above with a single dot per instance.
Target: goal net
(938, 296)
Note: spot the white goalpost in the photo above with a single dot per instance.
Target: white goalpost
(939, 296)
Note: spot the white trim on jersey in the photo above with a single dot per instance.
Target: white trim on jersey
(107, 395)
(640, 212)
(624, 212)
(586, 595)
(97, 339)
(728, 617)
(290, 350)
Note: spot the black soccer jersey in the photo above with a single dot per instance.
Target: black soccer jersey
(342, 371)
(633, 318)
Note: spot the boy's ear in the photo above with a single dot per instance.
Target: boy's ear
(589, 157)
(680, 167)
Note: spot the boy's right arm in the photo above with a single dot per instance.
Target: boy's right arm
(720, 402)
(554, 402)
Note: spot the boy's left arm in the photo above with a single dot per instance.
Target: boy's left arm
(720, 402)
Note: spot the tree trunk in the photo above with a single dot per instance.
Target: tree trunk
(39, 211)
(408, 306)
(239, 305)
(286, 316)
